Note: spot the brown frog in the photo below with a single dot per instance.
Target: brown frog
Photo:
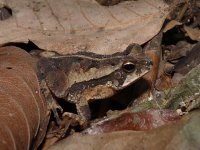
(82, 77)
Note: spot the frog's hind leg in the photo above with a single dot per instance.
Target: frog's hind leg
(83, 114)
(54, 107)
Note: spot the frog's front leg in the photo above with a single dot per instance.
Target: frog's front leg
(83, 116)
(51, 102)
(83, 111)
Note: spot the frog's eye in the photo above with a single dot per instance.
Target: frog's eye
(128, 67)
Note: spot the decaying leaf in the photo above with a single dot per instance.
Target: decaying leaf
(171, 25)
(178, 51)
(190, 61)
(68, 26)
(23, 110)
(193, 33)
(183, 135)
(164, 81)
(187, 91)
(153, 51)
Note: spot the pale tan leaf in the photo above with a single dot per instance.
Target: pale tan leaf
(171, 25)
(73, 25)
(193, 33)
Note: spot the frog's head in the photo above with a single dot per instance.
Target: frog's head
(131, 67)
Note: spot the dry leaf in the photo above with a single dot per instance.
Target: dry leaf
(190, 61)
(153, 51)
(23, 110)
(73, 25)
(176, 52)
(171, 25)
(183, 135)
(193, 33)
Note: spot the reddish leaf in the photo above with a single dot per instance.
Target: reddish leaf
(145, 120)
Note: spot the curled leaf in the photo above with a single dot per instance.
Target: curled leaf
(23, 110)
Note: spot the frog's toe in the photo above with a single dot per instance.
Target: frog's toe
(76, 119)
(58, 107)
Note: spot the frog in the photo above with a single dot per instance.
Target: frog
(82, 77)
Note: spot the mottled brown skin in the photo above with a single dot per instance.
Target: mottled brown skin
(82, 77)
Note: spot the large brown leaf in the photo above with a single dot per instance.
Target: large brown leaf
(73, 25)
(23, 111)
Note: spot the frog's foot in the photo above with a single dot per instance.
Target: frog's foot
(54, 107)
(76, 119)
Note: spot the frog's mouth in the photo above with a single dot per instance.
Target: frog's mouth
(131, 78)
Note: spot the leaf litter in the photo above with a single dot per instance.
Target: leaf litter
(161, 110)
